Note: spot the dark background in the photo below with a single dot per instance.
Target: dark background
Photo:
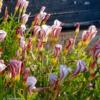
(67, 11)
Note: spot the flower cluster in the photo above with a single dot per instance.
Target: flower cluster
(34, 61)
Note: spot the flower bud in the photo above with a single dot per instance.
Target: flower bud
(55, 30)
(57, 50)
(21, 6)
(2, 35)
(17, 6)
(26, 74)
(6, 15)
(25, 6)
(80, 67)
(64, 71)
(22, 43)
(57, 23)
(23, 27)
(22, 3)
(68, 45)
(24, 18)
(52, 79)
(45, 28)
(77, 25)
(42, 9)
(88, 35)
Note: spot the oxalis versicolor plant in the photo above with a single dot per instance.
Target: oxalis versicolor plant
(34, 66)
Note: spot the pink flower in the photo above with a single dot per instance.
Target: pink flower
(85, 35)
(77, 25)
(57, 50)
(6, 15)
(2, 35)
(2, 66)
(24, 18)
(69, 44)
(40, 17)
(57, 23)
(42, 9)
(31, 82)
(56, 29)
(93, 30)
(25, 6)
(42, 13)
(16, 67)
(18, 5)
(46, 29)
(41, 32)
(88, 35)
(80, 67)
(45, 32)
(21, 6)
